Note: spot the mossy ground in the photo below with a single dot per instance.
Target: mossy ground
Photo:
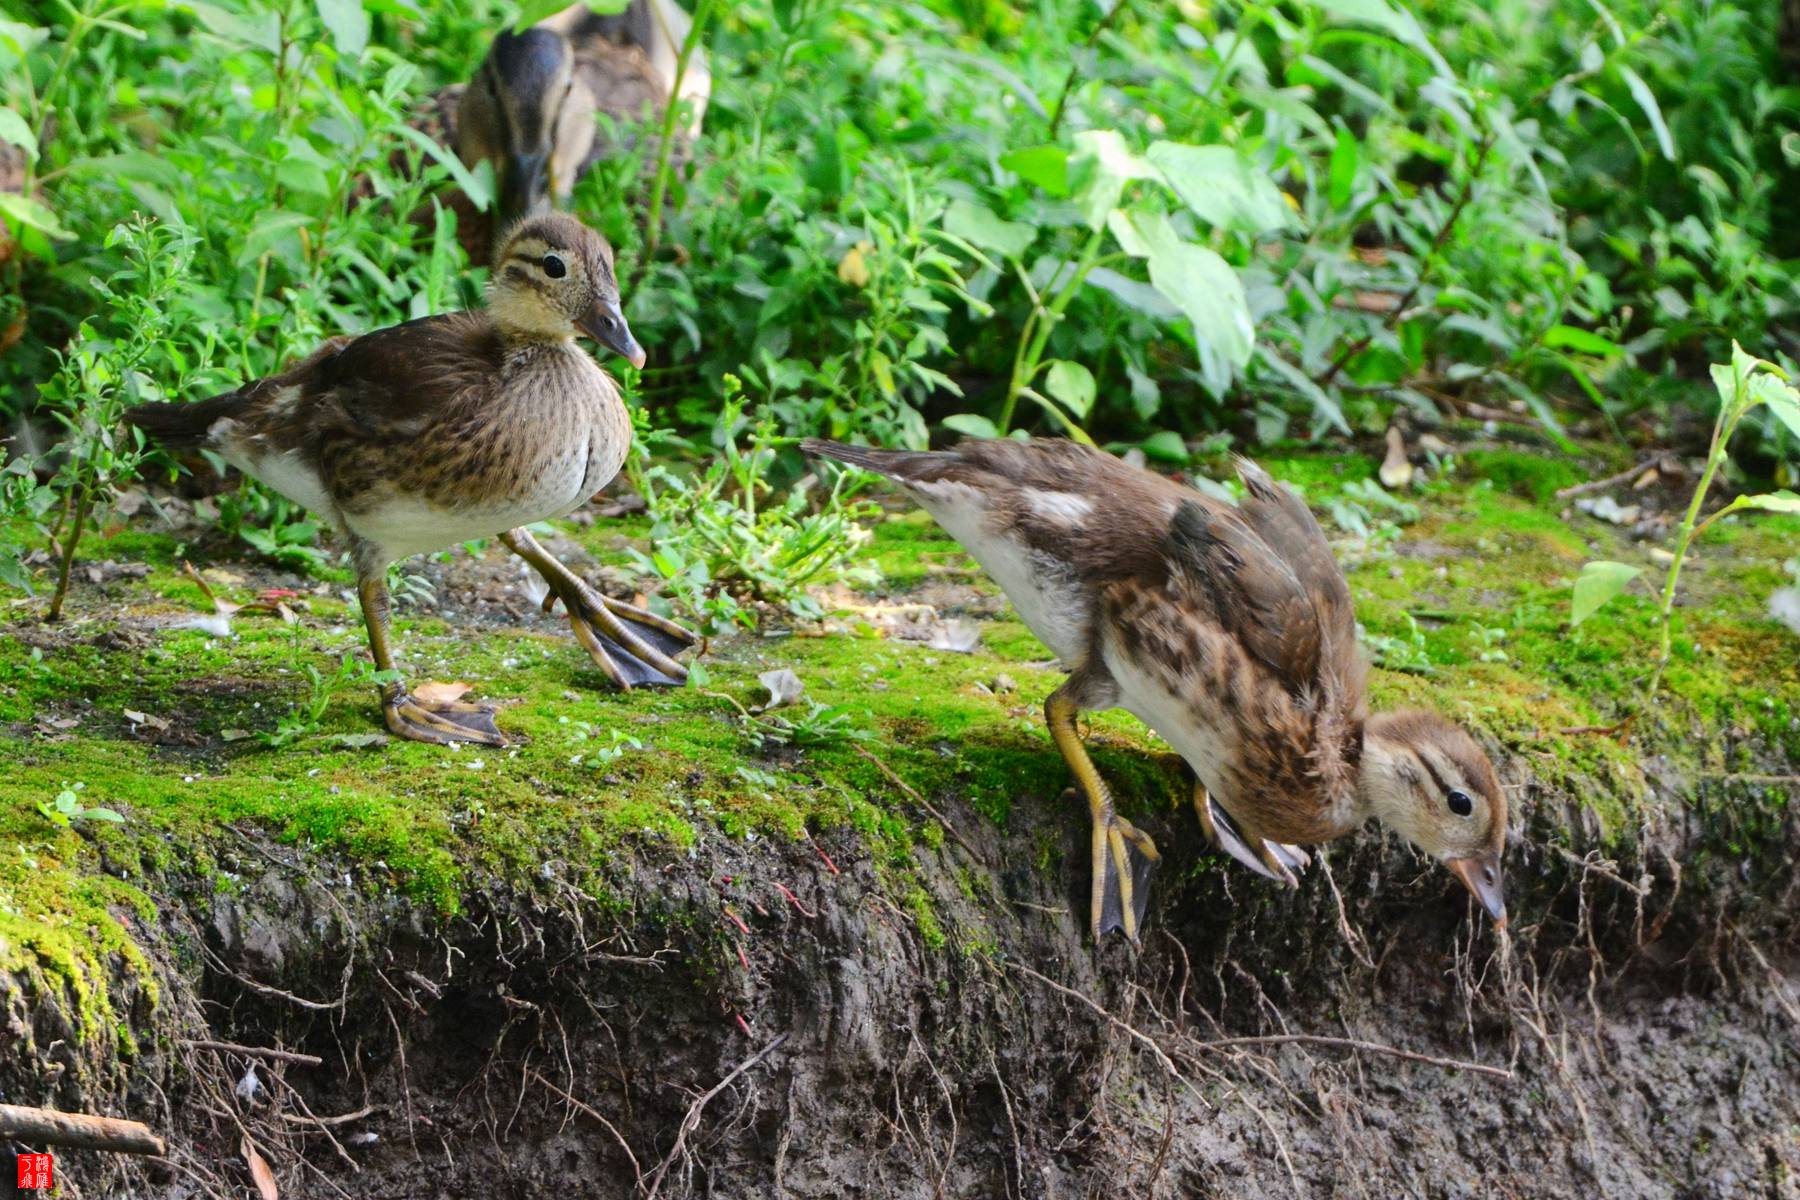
(1471, 601)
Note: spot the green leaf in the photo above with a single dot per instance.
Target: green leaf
(298, 175)
(14, 129)
(477, 185)
(1397, 23)
(1045, 166)
(1207, 291)
(972, 425)
(102, 814)
(1072, 385)
(1346, 158)
(1780, 397)
(1165, 446)
(1107, 164)
(1598, 583)
(1646, 100)
(348, 23)
(27, 211)
(1781, 502)
(262, 30)
(976, 224)
(1582, 341)
(269, 231)
(1221, 188)
(1130, 241)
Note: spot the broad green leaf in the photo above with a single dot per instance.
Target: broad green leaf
(1782, 400)
(297, 175)
(1398, 23)
(1598, 583)
(20, 39)
(1046, 166)
(1221, 188)
(1119, 221)
(1346, 158)
(1165, 446)
(14, 129)
(1782, 502)
(1582, 341)
(1109, 165)
(27, 211)
(1207, 291)
(1646, 100)
(103, 814)
(269, 231)
(262, 30)
(972, 425)
(976, 224)
(348, 24)
(1072, 385)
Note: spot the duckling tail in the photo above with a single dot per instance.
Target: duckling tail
(184, 426)
(895, 464)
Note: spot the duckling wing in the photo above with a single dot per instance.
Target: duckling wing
(1247, 589)
(399, 381)
(1287, 527)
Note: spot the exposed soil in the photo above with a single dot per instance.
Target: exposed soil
(538, 1045)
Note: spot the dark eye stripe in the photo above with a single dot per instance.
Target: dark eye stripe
(1432, 771)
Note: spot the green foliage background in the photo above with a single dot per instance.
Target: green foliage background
(903, 217)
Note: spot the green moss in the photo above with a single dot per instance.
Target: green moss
(1478, 589)
(1534, 477)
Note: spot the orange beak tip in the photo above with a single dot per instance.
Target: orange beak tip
(639, 359)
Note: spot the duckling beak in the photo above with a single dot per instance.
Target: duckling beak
(1481, 875)
(605, 323)
(524, 185)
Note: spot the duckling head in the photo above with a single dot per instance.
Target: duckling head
(528, 114)
(552, 279)
(1427, 779)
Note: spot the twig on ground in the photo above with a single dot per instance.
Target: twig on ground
(367, 1110)
(44, 1125)
(287, 1056)
(1661, 461)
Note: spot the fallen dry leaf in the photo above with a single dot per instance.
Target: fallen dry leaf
(259, 1171)
(441, 693)
(138, 718)
(784, 688)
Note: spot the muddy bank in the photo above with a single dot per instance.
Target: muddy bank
(1639, 1022)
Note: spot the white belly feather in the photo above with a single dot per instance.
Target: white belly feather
(1048, 599)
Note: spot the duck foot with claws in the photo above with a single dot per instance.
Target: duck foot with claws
(632, 647)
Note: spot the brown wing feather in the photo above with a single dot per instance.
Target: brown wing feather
(1251, 591)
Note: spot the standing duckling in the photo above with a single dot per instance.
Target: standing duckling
(447, 428)
(1229, 631)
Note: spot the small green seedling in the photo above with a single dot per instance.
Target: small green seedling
(67, 809)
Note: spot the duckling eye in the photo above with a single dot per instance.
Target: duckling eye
(554, 267)
(1460, 802)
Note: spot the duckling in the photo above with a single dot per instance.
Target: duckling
(447, 428)
(1229, 631)
(531, 108)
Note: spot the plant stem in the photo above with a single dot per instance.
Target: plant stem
(1062, 100)
(1722, 430)
(1034, 338)
(68, 554)
(666, 145)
